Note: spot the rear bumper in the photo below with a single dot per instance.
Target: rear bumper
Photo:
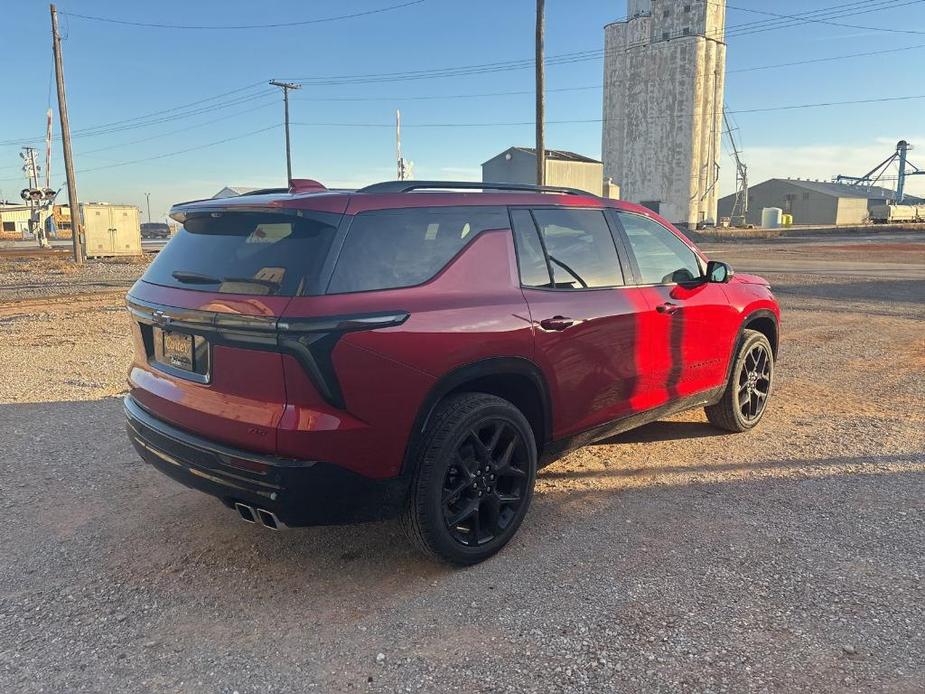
(298, 492)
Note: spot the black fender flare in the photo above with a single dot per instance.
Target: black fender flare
(493, 366)
(743, 326)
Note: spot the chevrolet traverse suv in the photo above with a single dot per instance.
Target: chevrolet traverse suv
(420, 349)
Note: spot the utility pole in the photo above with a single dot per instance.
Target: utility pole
(540, 95)
(404, 167)
(73, 204)
(148, 198)
(401, 168)
(286, 86)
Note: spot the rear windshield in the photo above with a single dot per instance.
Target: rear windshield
(247, 253)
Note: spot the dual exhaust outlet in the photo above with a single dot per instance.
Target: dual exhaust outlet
(259, 516)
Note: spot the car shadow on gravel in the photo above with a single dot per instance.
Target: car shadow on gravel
(836, 465)
(74, 484)
(663, 431)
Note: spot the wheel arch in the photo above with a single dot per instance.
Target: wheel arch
(762, 320)
(765, 322)
(516, 379)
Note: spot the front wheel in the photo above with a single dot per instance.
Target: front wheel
(474, 479)
(746, 396)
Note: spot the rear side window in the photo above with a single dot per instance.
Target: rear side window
(247, 253)
(580, 248)
(388, 249)
(662, 257)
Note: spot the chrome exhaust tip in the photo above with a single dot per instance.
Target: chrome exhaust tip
(246, 512)
(269, 519)
(259, 516)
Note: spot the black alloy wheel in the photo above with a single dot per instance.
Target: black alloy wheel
(473, 481)
(751, 378)
(754, 382)
(486, 482)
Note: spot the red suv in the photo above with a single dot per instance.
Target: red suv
(419, 349)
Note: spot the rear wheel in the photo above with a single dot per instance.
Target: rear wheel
(474, 479)
(746, 397)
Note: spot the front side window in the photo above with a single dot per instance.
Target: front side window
(580, 248)
(388, 249)
(662, 257)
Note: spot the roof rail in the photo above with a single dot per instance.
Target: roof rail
(408, 186)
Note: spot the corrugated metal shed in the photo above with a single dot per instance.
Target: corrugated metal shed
(559, 155)
(842, 190)
(232, 191)
(563, 168)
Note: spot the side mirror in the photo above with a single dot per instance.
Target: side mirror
(719, 272)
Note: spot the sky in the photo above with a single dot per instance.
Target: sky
(189, 111)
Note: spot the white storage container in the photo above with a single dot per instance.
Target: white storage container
(771, 217)
(110, 229)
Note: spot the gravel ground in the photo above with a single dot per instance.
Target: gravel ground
(30, 279)
(671, 558)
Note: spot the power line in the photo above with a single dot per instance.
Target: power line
(782, 21)
(821, 10)
(185, 110)
(179, 107)
(599, 120)
(277, 25)
(464, 96)
(174, 153)
(529, 92)
(135, 123)
(566, 58)
(830, 103)
(828, 59)
(483, 125)
(524, 92)
(178, 130)
(185, 150)
(839, 24)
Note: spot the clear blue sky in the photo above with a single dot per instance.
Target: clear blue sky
(117, 72)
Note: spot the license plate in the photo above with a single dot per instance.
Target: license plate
(178, 350)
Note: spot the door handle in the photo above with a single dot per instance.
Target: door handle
(557, 323)
(667, 307)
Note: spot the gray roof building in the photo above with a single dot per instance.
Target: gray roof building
(232, 191)
(812, 202)
(563, 168)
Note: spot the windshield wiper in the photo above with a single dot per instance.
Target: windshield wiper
(272, 284)
(199, 278)
(194, 277)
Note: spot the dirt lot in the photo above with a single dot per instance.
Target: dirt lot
(670, 558)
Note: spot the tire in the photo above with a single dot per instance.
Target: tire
(751, 381)
(478, 451)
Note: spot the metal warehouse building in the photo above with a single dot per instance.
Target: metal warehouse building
(811, 202)
(518, 165)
